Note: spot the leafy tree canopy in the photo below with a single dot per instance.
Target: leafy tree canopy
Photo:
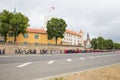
(5, 18)
(56, 28)
(12, 21)
(101, 43)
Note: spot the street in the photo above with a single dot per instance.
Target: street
(38, 67)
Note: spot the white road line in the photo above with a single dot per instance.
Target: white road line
(69, 60)
(82, 58)
(25, 64)
(50, 62)
(91, 57)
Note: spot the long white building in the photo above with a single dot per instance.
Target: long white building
(73, 38)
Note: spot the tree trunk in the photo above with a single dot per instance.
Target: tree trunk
(56, 40)
(14, 37)
(5, 38)
(14, 40)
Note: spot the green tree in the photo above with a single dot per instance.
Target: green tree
(94, 43)
(109, 43)
(100, 42)
(19, 23)
(104, 44)
(12, 21)
(56, 28)
(5, 17)
(116, 45)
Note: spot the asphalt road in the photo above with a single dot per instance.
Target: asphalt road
(38, 67)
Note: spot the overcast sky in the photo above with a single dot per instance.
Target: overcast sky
(96, 17)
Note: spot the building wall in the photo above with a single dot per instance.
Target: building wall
(72, 39)
(81, 41)
(42, 39)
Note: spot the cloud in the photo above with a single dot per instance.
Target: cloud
(96, 17)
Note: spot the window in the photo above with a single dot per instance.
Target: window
(25, 43)
(36, 36)
(36, 43)
(25, 35)
(10, 42)
(10, 34)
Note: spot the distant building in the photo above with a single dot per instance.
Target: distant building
(73, 38)
(40, 36)
(33, 36)
(87, 42)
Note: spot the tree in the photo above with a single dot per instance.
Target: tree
(12, 21)
(109, 43)
(56, 28)
(100, 42)
(19, 23)
(104, 44)
(94, 43)
(5, 17)
(116, 45)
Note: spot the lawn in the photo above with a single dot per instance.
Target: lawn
(105, 73)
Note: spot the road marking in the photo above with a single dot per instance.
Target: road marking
(52, 61)
(82, 58)
(69, 60)
(91, 57)
(25, 64)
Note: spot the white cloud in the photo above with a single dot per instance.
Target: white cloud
(97, 17)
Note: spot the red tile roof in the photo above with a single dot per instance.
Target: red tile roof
(72, 32)
(36, 30)
(44, 31)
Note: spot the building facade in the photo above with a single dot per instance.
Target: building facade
(73, 38)
(39, 36)
(33, 36)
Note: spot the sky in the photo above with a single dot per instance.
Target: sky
(96, 17)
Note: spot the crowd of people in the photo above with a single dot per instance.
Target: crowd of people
(56, 51)
(25, 51)
(34, 51)
(52, 51)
